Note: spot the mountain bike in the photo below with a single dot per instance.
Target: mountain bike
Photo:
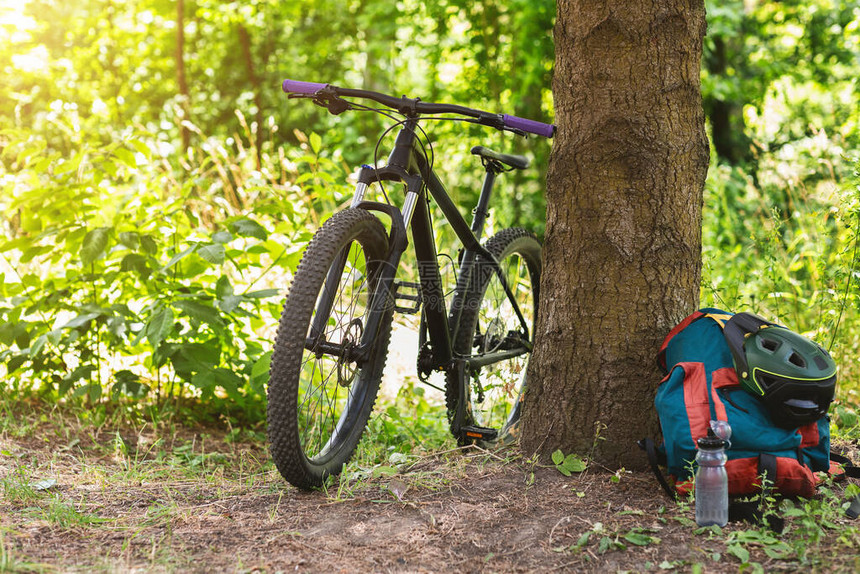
(332, 339)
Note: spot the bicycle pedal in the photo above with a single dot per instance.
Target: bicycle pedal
(473, 433)
(411, 299)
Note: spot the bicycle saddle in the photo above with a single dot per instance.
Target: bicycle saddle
(514, 161)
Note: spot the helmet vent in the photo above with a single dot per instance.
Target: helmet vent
(797, 360)
(820, 362)
(770, 344)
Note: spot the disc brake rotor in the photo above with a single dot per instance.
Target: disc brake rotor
(494, 334)
(346, 367)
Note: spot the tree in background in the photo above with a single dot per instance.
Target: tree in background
(623, 241)
(792, 51)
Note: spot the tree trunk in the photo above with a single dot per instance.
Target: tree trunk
(622, 259)
(727, 121)
(184, 96)
(245, 41)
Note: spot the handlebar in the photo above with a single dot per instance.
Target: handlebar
(413, 107)
(529, 126)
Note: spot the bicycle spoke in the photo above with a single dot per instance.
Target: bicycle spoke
(500, 383)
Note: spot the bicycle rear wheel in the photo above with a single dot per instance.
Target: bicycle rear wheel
(319, 401)
(489, 324)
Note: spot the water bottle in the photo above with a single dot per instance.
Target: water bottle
(712, 482)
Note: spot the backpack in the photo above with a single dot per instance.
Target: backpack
(701, 385)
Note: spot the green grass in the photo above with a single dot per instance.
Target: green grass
(17, 488)
(65, 514)
(11, 562)
(37, 499)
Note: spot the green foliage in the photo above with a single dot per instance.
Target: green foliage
(150, 227)
(608, 541)
(798, 267)
(569, 464)
(776, 73)
(781, 202)
(128, 279)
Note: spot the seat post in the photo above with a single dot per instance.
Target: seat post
(481, 212)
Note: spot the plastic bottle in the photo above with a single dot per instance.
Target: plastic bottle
(712, 482)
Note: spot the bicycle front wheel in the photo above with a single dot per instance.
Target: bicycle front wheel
(319, 398)
(489, 324)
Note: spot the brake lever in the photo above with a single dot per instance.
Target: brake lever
(333, 104)
(517, 132)
(495, 122)
(337, 106)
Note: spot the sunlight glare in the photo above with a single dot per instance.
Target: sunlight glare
(12, 15)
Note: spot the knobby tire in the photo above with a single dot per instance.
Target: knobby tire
(318, 406)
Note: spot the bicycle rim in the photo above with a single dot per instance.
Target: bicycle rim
(496, 390)
(490, 324)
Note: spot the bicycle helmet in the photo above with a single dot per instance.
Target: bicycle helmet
(793, 376)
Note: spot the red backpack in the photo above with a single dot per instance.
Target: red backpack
(700, 386)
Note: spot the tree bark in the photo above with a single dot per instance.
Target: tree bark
(622, 259)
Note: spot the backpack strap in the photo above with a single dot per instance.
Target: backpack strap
(655, 460)
(735, 331)
(720, 317)
(752, 511)
(850, 469)
(767, 471)
(853, 510)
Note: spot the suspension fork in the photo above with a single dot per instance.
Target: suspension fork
(333, 277)
(381, 298)
(380, 278)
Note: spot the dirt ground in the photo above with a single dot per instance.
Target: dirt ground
(117, 507)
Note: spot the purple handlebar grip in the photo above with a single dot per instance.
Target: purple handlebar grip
(297, 87)
(530, 126)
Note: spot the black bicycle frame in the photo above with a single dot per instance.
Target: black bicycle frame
(408, 165)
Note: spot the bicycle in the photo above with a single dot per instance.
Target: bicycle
(332, 339)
